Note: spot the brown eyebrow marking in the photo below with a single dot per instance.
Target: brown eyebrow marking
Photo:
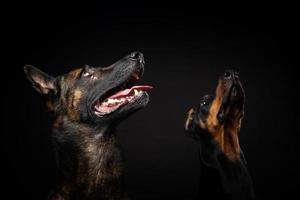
(189, 119)
(72, 75)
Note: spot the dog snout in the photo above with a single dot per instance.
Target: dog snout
(138, 56)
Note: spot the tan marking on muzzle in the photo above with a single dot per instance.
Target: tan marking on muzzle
(226, 135)
(212, 122)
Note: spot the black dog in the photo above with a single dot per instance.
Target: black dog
(87, 104)
(216, 123)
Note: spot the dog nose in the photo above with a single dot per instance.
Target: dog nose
(231, 74)
(137, 56)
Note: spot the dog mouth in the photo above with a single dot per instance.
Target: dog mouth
(121, 96)
(234, 95)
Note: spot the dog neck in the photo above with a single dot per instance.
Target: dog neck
(89, 160)
(228, 140)
(235, 178)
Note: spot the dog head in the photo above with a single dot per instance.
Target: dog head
(219, 116)
(94, 96)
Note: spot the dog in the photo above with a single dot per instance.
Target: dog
(87, 104)
(215, 123)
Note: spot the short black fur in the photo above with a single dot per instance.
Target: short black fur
(87, 151)
(224, 175)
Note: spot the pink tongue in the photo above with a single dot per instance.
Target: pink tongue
(128, 91)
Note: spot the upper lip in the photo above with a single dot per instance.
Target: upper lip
(129, 82)
(133, 78)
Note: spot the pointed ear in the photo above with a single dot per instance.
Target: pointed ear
(41, 81)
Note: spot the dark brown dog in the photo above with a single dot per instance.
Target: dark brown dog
(216, 123)
(87, 104)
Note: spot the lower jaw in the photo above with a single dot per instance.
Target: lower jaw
(121, 105)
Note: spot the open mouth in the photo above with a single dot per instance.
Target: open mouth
(121, 95)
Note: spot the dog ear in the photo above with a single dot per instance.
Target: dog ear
(41, 81)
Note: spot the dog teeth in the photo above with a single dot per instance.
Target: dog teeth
(137, 92)
(104, 103)
(109, 102)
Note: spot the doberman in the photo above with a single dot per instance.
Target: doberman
(215, 123)
(88, 103)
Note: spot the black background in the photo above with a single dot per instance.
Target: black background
(186, 49)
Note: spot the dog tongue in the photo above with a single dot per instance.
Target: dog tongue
(128, 91)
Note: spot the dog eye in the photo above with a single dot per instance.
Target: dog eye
(86, 74)
(203, 103)
(90, 75)
(89, 72)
